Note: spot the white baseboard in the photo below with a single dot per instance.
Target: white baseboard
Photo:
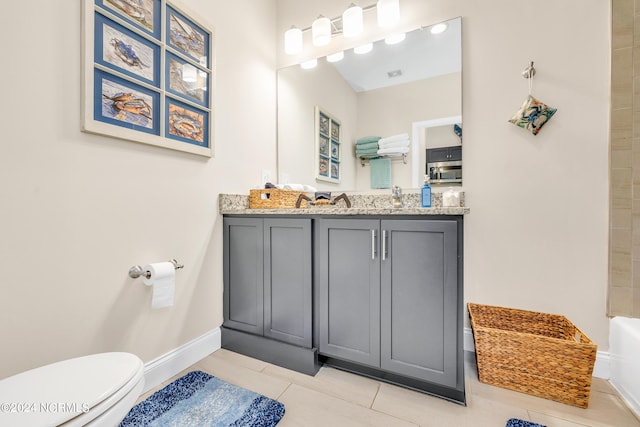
(600, 368)
(169, 364)
(467, 340)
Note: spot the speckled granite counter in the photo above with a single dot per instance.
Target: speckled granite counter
(361, 204)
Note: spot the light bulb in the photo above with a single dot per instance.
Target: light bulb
(388, 12)
(312, 63)
(365, 48)
(335, 57)
(395, 38)
(321, 31)
(293, 41)
(352, 21)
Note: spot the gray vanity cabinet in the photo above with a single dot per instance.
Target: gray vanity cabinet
(419, 310)
(388, 296)
(349, 290)
(267, 278)
(243, 274)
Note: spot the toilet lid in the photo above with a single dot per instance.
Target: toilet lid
(53, 394)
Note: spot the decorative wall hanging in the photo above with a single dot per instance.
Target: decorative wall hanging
(146, 80)
(533, 114)
(328, 148)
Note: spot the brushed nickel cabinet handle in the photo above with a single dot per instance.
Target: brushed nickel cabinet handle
(373, 244)
(384, 245)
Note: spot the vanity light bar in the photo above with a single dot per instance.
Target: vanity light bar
(349, 24)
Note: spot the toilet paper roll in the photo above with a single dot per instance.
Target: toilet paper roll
(162, 276)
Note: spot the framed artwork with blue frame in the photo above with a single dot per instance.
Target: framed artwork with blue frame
(129, 93)
(121, 49)
(187, 37)
(186, 123)
(142, 14)
(327, 135)
(186, 80)
(123, 103)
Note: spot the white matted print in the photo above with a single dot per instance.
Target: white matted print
(125, 85)
(327, 140)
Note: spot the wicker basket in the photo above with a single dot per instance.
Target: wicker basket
(536, 353)
(274, 198)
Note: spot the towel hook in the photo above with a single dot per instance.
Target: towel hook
(137, 271)
(529, 72)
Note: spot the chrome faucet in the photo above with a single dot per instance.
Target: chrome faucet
(396, 193)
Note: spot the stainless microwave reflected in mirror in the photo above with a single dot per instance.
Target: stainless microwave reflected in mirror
(411, 87)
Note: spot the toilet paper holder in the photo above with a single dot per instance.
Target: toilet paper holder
(137, 271)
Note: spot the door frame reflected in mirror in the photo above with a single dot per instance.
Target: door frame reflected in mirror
(417, 148)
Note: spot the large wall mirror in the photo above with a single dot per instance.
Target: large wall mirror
(412, 87)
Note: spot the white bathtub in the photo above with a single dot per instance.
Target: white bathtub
(624, 349)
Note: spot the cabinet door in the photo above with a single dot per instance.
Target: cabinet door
(437, 154)
(455, 153)
(349, 289)
(287, 280)
(419, 299)
(243, 274)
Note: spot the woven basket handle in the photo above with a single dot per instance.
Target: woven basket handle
(302, 197)
(344, 197)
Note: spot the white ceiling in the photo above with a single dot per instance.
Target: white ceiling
(421, 55)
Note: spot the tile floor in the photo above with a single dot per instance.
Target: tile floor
(335, 398)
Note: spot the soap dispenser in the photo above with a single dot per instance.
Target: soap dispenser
(396, 193)
(425, 193)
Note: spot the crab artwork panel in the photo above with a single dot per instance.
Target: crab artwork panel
(120, 49)
(192, 87)
(324, 146)
(323, 167)
(186, 123)
(141, 12)
(335, 150)
(125, 104)
(335, 170)
(187, 37)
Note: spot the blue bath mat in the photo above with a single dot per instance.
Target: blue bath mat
(514, 422)
(199, 399)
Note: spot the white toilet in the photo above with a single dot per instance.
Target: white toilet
(95, 390)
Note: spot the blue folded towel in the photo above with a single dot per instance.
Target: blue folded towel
(380, 173)
(367, 139)
(366, 145)
(373, 150)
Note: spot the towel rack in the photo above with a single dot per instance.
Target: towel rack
(363, 160)
(137, 271)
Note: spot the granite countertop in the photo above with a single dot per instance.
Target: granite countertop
(361, 204)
